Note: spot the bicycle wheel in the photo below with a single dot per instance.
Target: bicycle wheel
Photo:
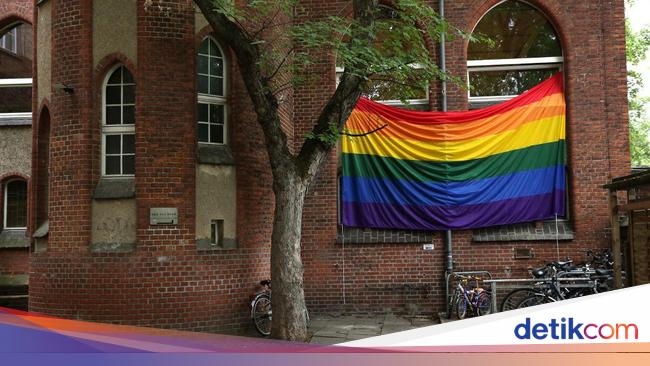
(452, 303)
(261, 314)
(515, 297)
(484, 303)
(536, 299)
(461, 307)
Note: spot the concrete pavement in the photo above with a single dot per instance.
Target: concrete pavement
(334, 328)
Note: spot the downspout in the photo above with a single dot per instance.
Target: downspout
(443, 93)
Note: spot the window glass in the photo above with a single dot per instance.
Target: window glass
(119, 124)
(526, 51)
(16, 204)
(15, 99)
(506, 82)
(8, 40)
(518, 31)
(210, 69)
(211, 102)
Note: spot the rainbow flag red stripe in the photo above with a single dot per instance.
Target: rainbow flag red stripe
(499, 165)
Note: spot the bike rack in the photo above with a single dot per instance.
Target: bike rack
(585, 282)
(449, 275)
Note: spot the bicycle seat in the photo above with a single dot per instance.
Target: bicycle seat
(265, 282)
(604, 272)
(539, 272)
(562, 263)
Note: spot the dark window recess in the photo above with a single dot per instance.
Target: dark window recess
(216, 232)
(15, 100)
(16, 212)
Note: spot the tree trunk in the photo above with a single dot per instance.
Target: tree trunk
(288, 300)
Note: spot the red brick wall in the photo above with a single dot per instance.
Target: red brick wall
(15, 11)
(14, 261)
(165, 282)
(402, 277)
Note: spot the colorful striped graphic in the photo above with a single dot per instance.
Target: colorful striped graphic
(499, 165)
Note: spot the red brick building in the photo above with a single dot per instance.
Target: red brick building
(15, 148)
(151, 200)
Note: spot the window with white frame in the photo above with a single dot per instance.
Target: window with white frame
(211, 87)
(118, 124)
(9, 40)
(15, 204)
(525, 51)
(391, 93)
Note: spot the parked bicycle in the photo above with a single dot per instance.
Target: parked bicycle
(563, 280)
(469, 298)
(261, 312)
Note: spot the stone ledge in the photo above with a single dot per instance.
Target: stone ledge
(109, 188)
(215, 155)
(112, 247)
(207, 245)
(543, 231)
(13, 239)
(352, 235)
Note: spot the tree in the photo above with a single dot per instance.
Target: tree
(637, 45)
(272, 47)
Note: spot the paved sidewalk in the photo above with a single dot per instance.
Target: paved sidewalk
(332, 329)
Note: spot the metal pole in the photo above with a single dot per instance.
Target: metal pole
(443, 94)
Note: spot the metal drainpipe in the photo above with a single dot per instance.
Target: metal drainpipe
(443, 87)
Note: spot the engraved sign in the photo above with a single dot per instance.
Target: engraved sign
(163, 216)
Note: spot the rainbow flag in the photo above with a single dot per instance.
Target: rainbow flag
(499, 165)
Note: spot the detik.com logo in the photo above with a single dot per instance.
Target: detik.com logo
(568, 328)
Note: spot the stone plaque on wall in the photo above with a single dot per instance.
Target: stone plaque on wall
(163, 216)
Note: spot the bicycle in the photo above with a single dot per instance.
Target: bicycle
(261, 311)
(473, 298)
(548, 289)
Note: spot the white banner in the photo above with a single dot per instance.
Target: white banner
(612, 317)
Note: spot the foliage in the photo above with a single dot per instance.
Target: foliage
(637, 45)
(397, 59)
(276, 44)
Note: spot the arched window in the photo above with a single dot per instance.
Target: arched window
(526, 51)
(118, 124)
(211, 87)
(15, 204)
(8, 40)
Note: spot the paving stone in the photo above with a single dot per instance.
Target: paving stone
(327, 340)
(366, 330)
(394, 329)
(330, 333)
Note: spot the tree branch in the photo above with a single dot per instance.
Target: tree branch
(264, 102)
(277, 69)
(314, 151)
(365, 133)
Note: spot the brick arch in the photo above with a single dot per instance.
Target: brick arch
(16, 11)
(45, 103)
(11, 19)
(108, 62)
(207, 31)
(13, 175)
(39, 186)
(550, 9)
